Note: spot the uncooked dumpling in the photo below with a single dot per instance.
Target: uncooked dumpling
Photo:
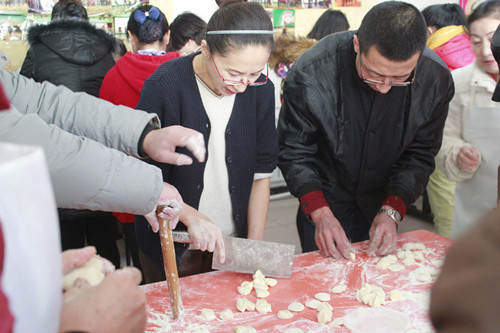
(324, 297)
(244, 329)
(207, 314)
(227, 314)
(296, 307)
(284, 314)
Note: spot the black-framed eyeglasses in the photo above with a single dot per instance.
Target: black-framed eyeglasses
(391, 82)
(236, 82)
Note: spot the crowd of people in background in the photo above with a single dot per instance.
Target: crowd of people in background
(357, 139)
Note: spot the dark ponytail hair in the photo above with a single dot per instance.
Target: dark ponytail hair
(69, 9)
(233, 15)
(331, 21)
(148, 23)
(186, 26)
(443, 15)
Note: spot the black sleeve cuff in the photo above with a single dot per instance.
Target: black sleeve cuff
(140, 149)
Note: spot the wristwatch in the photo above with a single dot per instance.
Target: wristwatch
(392, 213)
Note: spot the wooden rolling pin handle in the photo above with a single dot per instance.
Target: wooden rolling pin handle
(170, 264)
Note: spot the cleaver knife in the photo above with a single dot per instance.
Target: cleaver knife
(248, 255)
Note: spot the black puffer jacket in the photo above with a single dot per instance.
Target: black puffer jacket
(71, 53)
(319, 138)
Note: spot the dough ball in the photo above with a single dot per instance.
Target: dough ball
(262, 306)
(243, 304)
(226, 314)
(207, 314)
(258, 275)
(313, 303)
(387, 261)
(352, 255)
(284, 314)
(413, 246)
(92, 271)
(262, 293)
(244, 329)
(245, 288)
(339, 289)
(324, 297)
(296, 307)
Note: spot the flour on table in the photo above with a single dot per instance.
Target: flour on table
(284, 314)
(324, 297)
(371, 295)
(313, 303)
(197, 328)
(92, 271)
(339, 289)
(337, 322)
(324, 316)
(262, 306)
(296, 306)
(226, 314)
(207, 314)
(293, 330)
(244, 329)
(243, 304)
(387, 261)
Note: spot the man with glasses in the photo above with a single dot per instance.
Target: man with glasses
(362, 120)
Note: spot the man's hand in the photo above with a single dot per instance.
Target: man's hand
(204, 234)
(160, 145)
(330, 237)
(72, 259)
(171, 198)
(117, 305)
(383, 236)
(468, 159)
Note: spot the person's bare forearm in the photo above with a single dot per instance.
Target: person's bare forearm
(258, 207)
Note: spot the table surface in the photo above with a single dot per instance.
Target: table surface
(312, 273)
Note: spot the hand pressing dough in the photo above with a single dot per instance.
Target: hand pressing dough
(339, 289)
(337, 322)
(244, 329)
(413, 246)
(92, 271)
(293, 330)
(207, 314)
(313, 303)
(227, 314)
(396, 267)
(324, 316)
(296, 307)
(284, 314)
(243, 304)
(262, 306)
(371, 295)
(387, 261)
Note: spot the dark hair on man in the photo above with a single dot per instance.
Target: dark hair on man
(329, 22)
(443, 15)
(221, 3)
(490, 8)
(69, 9)
(186, 26)
(241, 15)
(397, 30)
(148, 23)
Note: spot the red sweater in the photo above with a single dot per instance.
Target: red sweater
(123, 83)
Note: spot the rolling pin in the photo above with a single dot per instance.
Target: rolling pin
(170, 264)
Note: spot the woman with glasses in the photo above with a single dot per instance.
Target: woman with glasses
(220, 91)
(470, 153)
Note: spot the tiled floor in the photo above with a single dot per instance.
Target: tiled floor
(281, 226)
